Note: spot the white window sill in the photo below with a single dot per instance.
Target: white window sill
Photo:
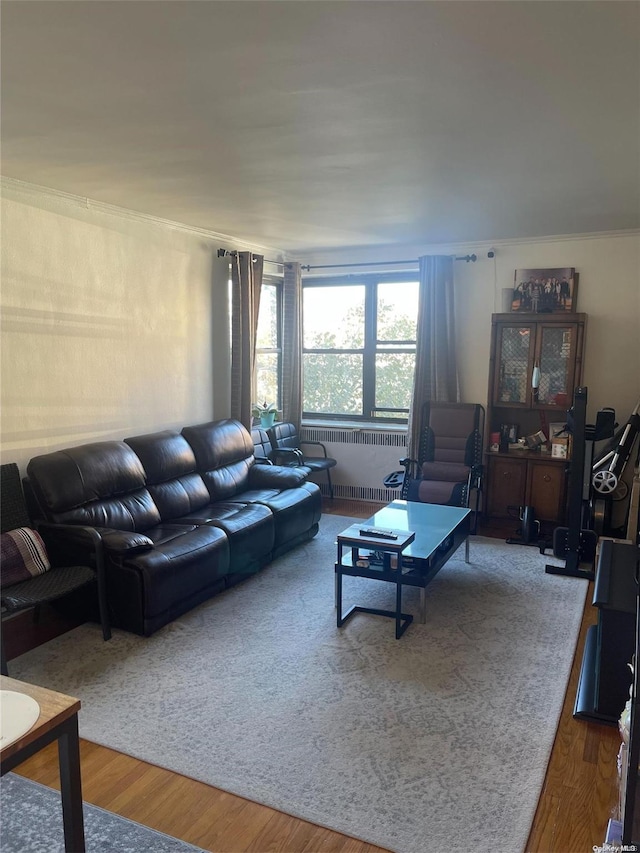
(369, 426)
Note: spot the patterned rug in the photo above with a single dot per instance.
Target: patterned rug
(437, 741)
(31, 822)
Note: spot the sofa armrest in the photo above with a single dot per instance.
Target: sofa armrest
(275, 477)
(125, 541)
(70, 543)
(79, 544)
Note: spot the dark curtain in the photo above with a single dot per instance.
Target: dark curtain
(436, 374)
(292, 345)
(246, 281)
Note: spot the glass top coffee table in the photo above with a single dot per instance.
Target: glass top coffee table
(421, 538)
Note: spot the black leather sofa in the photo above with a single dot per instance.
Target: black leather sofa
(182, 515)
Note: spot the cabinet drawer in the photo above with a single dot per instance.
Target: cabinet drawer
(507, 480)
(546, 490)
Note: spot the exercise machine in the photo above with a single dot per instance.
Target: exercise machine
(576, 543)
(608, 469)
(529, 530)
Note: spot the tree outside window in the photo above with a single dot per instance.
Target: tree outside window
(268, 366)
(359, 344)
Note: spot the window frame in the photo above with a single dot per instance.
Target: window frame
(277, 281)
(372, 345)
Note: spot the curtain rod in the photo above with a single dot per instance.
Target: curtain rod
(224, 253)
(467, 258)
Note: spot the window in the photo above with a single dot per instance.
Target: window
(359, 346)
(268, 368)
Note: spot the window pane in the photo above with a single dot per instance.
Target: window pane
(333, 384)
(334, 317)
(515, 346)
(390, 414)
(397, 311)
(394, 380)
(267, 377)
(267, 336)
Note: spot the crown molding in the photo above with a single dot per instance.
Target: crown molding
(301, 256)
(231, 243)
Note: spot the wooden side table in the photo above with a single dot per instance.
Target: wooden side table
(58, 720)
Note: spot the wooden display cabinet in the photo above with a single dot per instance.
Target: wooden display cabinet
(552, 344)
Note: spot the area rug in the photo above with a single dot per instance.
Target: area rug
(437, 741)
(31, 822)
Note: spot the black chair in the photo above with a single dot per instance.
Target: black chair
(262, 449)
(284, 437)
(61, 579)
(449, 465)
(266, 455)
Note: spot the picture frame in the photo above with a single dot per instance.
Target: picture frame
(545, 291)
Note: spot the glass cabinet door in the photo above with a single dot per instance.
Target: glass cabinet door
(555, 355)
(515, 363)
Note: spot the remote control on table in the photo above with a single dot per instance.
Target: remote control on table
(378, 533)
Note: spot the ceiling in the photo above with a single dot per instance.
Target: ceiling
(310, 124)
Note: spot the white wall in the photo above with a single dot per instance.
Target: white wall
(108, 324)
(608, 291)
(115, 324)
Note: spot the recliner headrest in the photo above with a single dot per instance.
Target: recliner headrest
(70, 478)
(218, 443)
(164, 455)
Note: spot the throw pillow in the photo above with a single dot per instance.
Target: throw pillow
(22, 556)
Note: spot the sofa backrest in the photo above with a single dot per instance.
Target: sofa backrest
(224, 456)
(137, 483)
(100, 484)
(170, 467)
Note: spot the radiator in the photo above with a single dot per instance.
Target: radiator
(364, 458)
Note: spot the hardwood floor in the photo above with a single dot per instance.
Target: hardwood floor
(577, 799)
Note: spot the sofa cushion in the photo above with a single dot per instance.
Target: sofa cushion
(224, 456)
(250, 529)
(295, 511)
(100, 484)
(70, 478)
(170, 469)
(164, 455)
(136, 512)
(183, 563)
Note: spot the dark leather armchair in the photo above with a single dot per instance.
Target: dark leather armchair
(284, 437)
(448, 468)
(61, 579)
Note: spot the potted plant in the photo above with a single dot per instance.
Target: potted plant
(266, 412)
